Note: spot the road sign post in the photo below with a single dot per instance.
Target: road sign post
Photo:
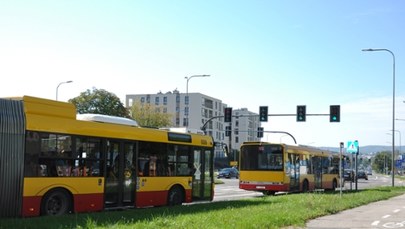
(340, 167)
(353, 148)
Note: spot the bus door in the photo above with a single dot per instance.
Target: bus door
(202, 175)
(317, 163)
(121, 174)
(294, 171)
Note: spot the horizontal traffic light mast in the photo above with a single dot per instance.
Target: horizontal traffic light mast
(334, 115)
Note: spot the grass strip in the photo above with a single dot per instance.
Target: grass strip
(262, 212)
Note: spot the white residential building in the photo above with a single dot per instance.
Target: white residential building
(199, 110)
(244, 127)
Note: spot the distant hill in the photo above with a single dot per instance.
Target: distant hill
(365, 149)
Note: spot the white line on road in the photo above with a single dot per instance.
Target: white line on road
(386, 216)
(375, 223)
(397, 210)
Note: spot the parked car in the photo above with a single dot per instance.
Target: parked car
(361, 174)
(228, 173)
(348, 175)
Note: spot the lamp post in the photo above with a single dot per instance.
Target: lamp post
(400, 141)
(57, 88)
(187, 99)
(393, 107)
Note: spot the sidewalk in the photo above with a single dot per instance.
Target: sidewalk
(382, 214)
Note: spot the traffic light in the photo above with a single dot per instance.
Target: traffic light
(263, 113)
(228, 131)
(301, 113)
(334, 115)
(260, 132)
(228, 114)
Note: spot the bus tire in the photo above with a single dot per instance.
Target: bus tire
(176, 196)
(56, 202)
(305, 186)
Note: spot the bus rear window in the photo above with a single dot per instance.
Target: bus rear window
(264, 157)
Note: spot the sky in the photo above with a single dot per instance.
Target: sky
(278, 54)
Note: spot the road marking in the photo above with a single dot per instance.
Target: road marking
(397, 210)
(394, 224)
(386, 216)
(375, 223)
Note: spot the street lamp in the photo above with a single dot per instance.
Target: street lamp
(57, 88)
(187, 99)
(393, 106)
(400, 137)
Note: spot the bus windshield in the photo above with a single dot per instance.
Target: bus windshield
(262, 157)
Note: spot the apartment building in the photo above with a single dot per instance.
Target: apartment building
(193, 111)
(244, 127)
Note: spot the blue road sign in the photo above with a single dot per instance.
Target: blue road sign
(352, 147)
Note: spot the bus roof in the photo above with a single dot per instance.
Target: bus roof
(61, 117)
(106, 119)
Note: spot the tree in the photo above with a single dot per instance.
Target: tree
(149, 115)
(99, 101)
(382, 162)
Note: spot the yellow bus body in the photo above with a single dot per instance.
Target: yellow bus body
(88, 193)
(303, 177)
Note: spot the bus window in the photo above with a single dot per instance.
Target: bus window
(153, 159)
(268, 157)
(88, 151)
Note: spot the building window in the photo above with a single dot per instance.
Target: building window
(186, 110)
(165, 100)
(142, 99)
(156, 100)
(165, 110)
(187, 100)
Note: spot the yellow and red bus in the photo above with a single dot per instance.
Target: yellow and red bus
(271, 168)
(53, 161)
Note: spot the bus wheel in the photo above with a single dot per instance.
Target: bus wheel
(305, 186)
(176, 196)
(269, 193)
(56, 202)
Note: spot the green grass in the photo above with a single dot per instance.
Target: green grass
(264, 212)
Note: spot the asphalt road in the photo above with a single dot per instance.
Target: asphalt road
(230, 191)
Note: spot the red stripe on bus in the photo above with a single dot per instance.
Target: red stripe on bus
(155, 198)
(254, 187)
(82, 203)
(158, 198)
(88, 202)
(31, 206)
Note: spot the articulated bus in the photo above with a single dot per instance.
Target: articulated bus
(271, 168)
(53, 161)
